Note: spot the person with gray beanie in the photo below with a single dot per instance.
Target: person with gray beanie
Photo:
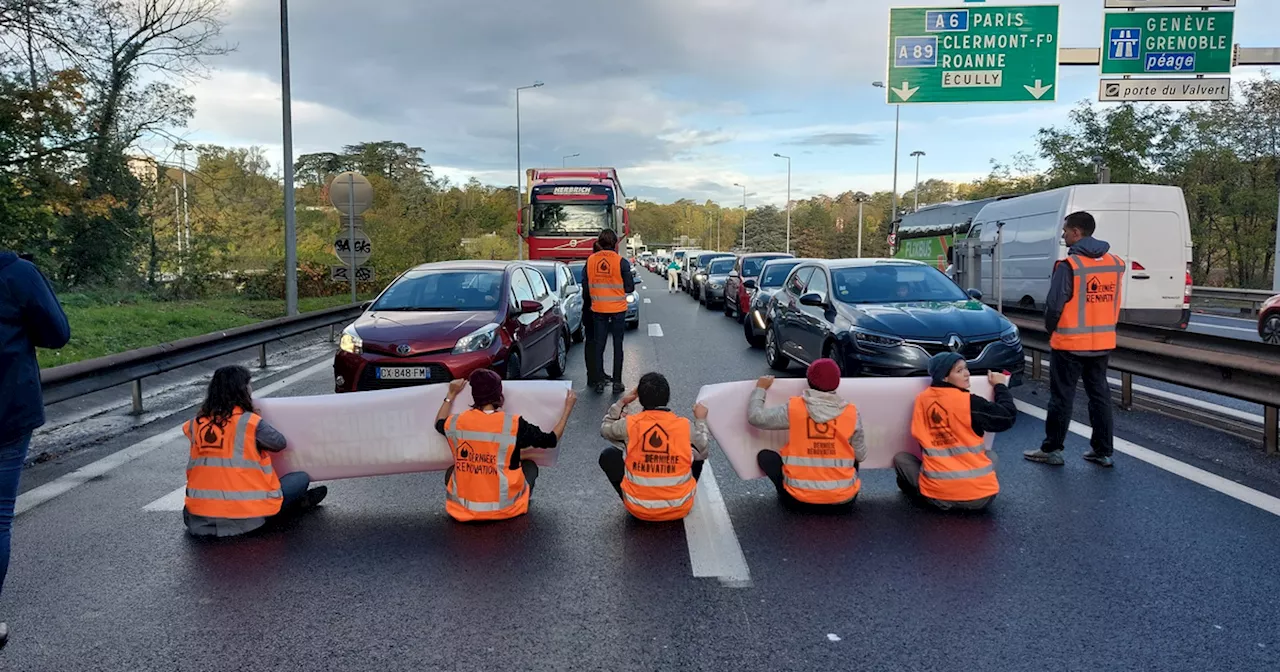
(954, 469)
(489, 480)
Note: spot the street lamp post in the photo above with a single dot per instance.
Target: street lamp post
(184, 238)
(565, 158)
(897, 127)
(744, 215)
(788, 199)
(917, 154)
(290, 216)
(519, 167)
(861, 198)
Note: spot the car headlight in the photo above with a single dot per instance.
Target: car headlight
(350, 341)
(872, 339)
(700, 277)
(480, 339)
(631, 298)
(1010, 336)
(717, 284)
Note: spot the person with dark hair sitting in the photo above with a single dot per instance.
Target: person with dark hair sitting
(231, 486)
(818, 468)
(489, 480)
(607, 281)
(656, 470)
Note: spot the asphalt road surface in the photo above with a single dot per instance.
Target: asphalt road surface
(1075, 568)
(1226, 327)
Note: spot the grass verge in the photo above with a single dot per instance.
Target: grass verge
(104, 328)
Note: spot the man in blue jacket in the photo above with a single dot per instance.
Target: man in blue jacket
(30, 318)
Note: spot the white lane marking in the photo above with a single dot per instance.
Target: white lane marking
(173, 501)
(1185, 400)
(655, 329)
(648, 300)
(1209, 325)
(1195, 474)
(64, 484)
(713, 547)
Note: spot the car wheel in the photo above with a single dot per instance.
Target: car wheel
(708, 302)
(580, 334)
(749, 332)
(513, 366)
(633, 325)
(833, 351)
(557, 368)
(773, 351)
(1270, 330)
(727, 311)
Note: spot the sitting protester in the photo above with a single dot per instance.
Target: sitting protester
(657, 469)
(955, 469)
(488, 479)
(825, 446)
(231, 486)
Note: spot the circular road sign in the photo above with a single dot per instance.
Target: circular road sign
(346, 247)
(345, 186)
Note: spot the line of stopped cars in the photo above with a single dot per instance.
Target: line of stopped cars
(874, 317)
(441, 321)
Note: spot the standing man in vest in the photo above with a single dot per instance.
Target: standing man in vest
(819, 465)
(608, 281)
(489, 480)
(955, 470)
(589, 328)
(1081, 313)
(657, 469)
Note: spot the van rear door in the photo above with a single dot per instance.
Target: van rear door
(1157, 265)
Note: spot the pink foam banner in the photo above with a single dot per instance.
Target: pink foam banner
(385, 432)
(884, 405)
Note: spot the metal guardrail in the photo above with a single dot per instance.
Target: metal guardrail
(1248, 301)
(1231, 369)
(69, 381)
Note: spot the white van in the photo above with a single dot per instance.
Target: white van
(1146, 225)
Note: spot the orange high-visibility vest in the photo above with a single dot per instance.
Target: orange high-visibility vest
(1088, 321)
(226, 475)
(604, 280)
(955, 464)
(483, 485)
(818, 464)
(658, 484)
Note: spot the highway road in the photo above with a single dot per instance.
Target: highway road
(1167, 562)
(1226, 327)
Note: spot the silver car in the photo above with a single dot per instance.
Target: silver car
(761, 289)
(565, 286)
(712, 295)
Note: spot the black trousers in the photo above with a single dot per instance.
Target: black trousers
(614, 465)
(589, 346)
(771, 464)
(609, 325)
(1065, 370)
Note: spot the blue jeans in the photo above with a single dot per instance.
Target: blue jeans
(12, 455)
(293, 486)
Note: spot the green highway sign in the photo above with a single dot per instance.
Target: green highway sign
(972, 54)
(1167, 43)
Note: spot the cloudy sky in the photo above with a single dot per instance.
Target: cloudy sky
(684, 97)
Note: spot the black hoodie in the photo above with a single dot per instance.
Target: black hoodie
(30, 318)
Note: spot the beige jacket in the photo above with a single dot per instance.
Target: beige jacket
(822, 407)
(614, 428)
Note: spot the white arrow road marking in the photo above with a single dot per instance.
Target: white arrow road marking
(907, 91)
(651, 301)
(1038, 90)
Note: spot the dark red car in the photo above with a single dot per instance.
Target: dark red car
(442, 321)
(747, 267)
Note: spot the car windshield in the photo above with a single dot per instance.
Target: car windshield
(721, 266)
(578, 270)
(776, 274)
(751, 266)
(896, 283)
(571, 218)
(443, 290)
(549, 272)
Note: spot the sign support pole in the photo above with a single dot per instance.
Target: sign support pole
(351, 226)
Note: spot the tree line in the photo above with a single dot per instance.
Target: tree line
(84, 82)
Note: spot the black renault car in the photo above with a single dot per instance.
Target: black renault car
(884, 317)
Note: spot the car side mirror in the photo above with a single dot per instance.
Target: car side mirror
(574, 289)
(749, 283)
(975, 294)
(813, 299)
(528, 306)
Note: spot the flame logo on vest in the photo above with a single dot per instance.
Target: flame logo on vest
(1099, 292)
(821, 430)
(603, 265)
(464, 450)
(938, 417)
(209, 438)
(655, 440)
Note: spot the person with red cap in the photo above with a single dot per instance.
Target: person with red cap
(819, 465)
(488, 479)
(954, 469)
